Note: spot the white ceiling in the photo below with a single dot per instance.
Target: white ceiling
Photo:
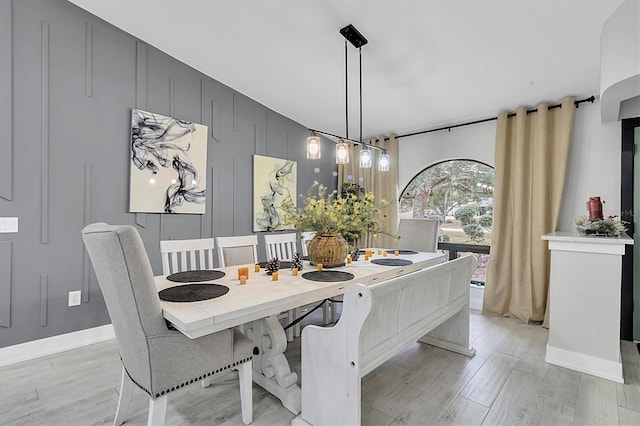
(428, 63)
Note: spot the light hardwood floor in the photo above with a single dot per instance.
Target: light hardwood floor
(506, 383)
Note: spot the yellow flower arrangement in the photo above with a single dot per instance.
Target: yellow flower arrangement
(350, 213)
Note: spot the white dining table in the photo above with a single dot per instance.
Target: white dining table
(254, 306)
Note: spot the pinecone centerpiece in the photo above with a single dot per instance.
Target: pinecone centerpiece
(355, 254)
(273, 266)
(296, 262)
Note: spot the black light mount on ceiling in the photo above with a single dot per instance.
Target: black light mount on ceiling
(353, 36)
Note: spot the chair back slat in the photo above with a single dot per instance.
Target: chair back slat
(183, 255)
(282, 246)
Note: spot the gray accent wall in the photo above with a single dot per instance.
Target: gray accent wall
(68, 81)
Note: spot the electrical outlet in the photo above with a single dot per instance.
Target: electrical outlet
(74, 298)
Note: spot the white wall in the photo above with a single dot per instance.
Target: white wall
(593, 169)
(620, 61)
(476, 142)
(594, 166)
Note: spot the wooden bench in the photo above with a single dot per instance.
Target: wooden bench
(377, 322)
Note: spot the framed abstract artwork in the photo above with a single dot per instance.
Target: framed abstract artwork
(168, 164)
(274, 181)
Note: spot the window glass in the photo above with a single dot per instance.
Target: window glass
(459, 193)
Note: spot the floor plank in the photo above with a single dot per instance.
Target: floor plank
(485, 386)
(446, 387)
(561, 384)
(597, 402)
(551, 413)
(628, 417)
(463, 412)
(516, 402)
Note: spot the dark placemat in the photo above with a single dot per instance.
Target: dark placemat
(390, 261)
(328, 276)
(402, 252)
(192, 292)
(284, 264)
(195, 276)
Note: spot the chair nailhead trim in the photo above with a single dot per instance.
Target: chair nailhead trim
(194, 380)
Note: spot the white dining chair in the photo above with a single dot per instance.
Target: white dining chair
(282, 246)
(238, 250)
(186, 255)
(418, 234)
(329, 309)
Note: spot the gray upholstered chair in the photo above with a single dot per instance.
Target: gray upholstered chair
(418, 234)
(156, 359)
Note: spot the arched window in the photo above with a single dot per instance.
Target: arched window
(459, 193)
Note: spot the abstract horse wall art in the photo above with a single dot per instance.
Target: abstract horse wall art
(274, 180)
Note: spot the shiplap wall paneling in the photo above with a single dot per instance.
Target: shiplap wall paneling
(44, 135)
(78, 79)
(86, 262)
(6, 92)
(88, 80)
(141, 99)
(5, 283)
(44, 299)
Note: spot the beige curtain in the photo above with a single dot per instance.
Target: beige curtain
(384, 185)
(530, 165)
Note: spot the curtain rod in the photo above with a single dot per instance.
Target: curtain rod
(590, 99)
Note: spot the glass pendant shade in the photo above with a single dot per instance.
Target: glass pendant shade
(365, 158)
(313, 148)
(383, 162)
(342, 153)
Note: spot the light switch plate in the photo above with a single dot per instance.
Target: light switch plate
(8, 225)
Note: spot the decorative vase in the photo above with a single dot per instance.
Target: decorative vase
(328, 249)
(594, 207)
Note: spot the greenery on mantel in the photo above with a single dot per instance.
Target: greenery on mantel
(609, 227)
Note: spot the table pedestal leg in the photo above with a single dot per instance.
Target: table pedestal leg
(270, 367)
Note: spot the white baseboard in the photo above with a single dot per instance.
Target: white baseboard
(598, 367)
(52, 345)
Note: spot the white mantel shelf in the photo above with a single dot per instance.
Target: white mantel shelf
(573, 241)
(584, 303)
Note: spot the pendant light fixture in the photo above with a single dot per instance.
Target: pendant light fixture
(342, 152)
(383, 162)
(352, 35)
(313, 147)
(366, 157)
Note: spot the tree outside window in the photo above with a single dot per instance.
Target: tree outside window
(458, 193)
